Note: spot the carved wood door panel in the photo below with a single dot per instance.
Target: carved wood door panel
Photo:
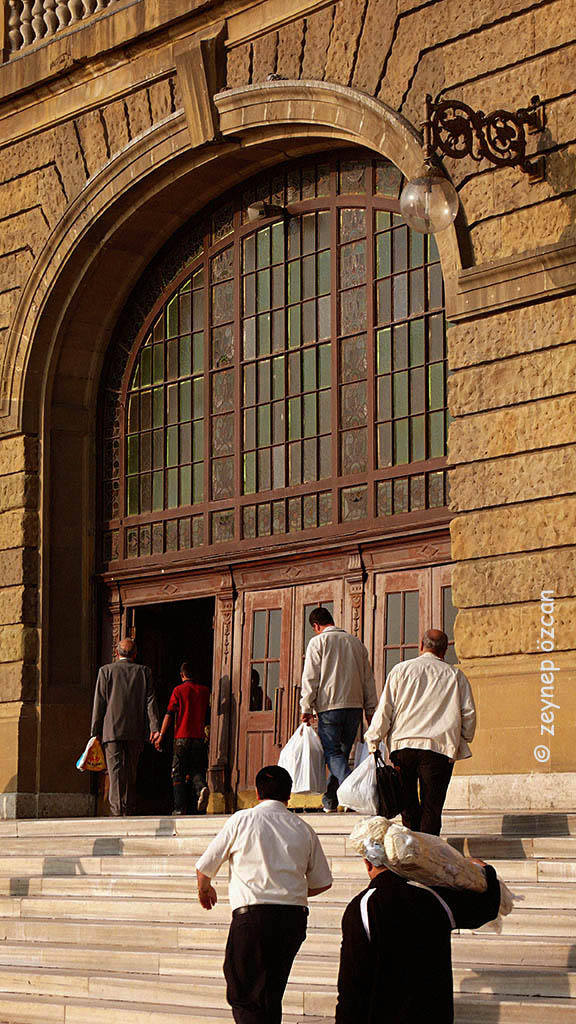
(402, 611)
(330, 595)
(265, 676)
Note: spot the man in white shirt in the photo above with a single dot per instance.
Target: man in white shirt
(427, 717)
(276, 862)
(337, 685)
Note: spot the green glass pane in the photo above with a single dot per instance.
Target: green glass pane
(325, 412)
(309, 369)
(145, 452)
(264, 393)
(278, 242)
(383, 255)
(135, 384)
(146, 493)
(198, 441)
(250, 473)
(279, 330)
(172, 404)
(133, 413)
(249, 253)
(310, 416)
(133, 496)
(264, 426)
(309, 232)
(278, 467)
(384, 301)
(133, 448)
(198, 353)
(418, 445)
(186, 442)
(294, 281)
(323, 224)
(172, 318)
(401, 446)
(294, 373)
(157, 491)
(157, 330)
(158, 364)
(308, 322)
(384, 356)
(436, 338)
(250, 295)
(418, 390)
(400, 296)
(278, 422)
(186, 485)
(158, 407)
(437, 436)
(197, 483)
(278, 377)
(308, 277)
(185, 312)
(417, 303)
(294, 418)
(264, 330)
(172, 446)
(172, 488)
(324, 314)
(198, 278)
(400, 390)
(185, 356)
(198, 311)
(382, 220)
(416, 343)
(250, 338)
(294, 327)
(158, 459)
(323, 273)
(263, 248)
(436, 386)
(185, 401)
(385, 445)
(417, 242)
(384, 398)
(146, 410)
(278, 289)
(295, 464)
(435, 290)
(324, 366)
(250, 428)
(433, 253)
(263, 290)
(294, 237)
(401, 347)
(264, 469)
(250, 384)
(198, 397)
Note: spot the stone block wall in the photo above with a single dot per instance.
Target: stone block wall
(512, 393)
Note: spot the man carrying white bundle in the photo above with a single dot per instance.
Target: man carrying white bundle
(396, 959)
(427, 717)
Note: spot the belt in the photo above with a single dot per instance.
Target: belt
(252, 908)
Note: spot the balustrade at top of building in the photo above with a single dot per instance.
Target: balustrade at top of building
(27, 22)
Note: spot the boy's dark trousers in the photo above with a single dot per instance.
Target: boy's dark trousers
(189, 761)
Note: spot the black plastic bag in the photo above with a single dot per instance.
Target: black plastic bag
(389, 788)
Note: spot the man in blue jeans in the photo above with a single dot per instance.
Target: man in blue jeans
(337, 685)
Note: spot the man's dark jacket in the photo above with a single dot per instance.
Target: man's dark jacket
(124, 703)
(402, 973)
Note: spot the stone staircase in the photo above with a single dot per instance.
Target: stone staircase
(99, 921)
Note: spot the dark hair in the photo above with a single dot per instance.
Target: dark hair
(320, 617)
(187, 670)
(436, 641)
(273, 783)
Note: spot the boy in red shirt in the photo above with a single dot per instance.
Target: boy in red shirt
(188, 705)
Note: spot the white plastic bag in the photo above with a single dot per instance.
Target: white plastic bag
(359, 791)
(303, 759)
(362, 753)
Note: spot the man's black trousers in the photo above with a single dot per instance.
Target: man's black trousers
(425, 776)
(262, 944)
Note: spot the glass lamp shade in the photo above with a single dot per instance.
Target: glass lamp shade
(429, 203)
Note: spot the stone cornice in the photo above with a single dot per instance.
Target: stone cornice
(517, 280)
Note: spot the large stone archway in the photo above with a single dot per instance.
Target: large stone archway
(58, 341)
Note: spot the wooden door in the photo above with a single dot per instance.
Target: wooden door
(328, 594)
(265, 679)
(402, 612)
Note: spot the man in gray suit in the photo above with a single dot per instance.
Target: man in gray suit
(124, 716)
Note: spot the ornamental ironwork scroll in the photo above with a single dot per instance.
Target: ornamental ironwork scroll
(455, 130)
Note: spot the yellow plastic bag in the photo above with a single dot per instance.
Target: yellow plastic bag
(92, 759)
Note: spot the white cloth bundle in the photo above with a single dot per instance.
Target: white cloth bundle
(423, 858)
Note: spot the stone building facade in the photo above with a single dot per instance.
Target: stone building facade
(123, 123)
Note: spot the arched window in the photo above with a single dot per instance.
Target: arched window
(292, 380)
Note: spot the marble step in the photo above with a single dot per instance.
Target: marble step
(306, 993)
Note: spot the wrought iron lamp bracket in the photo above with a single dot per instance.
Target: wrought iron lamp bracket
(453, 129)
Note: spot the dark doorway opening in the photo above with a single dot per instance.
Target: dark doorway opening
(168, 634)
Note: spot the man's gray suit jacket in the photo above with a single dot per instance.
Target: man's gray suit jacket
(124, 703)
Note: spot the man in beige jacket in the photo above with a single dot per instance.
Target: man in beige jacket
(427, 717)
(337, 685)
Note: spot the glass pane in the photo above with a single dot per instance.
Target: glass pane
(437, 443)
(353, 310)
(401, 501)
(411, 627)
(257, 675)
(222, 478)
(273, 683)
(353, 264)
(275, 629)
(354, 452)
(383, 255)
(352, 224)
(259, 634)
(393, 618)
(392, 659)
(354, 408)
